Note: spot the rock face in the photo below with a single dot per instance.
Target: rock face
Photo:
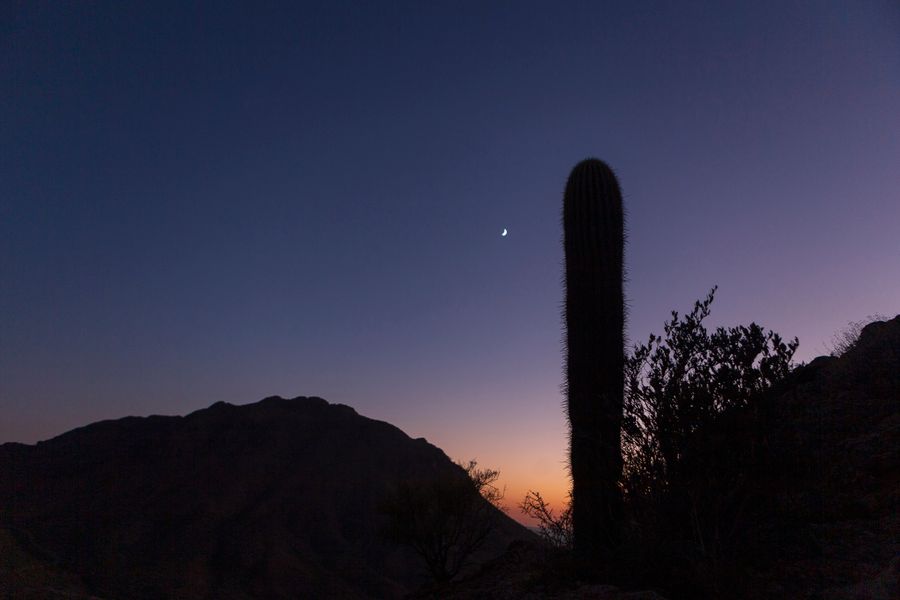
(832, 480)
(276, 499)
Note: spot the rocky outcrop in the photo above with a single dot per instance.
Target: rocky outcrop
(832, 475)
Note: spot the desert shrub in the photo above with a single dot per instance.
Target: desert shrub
(444, 520)
(846, 338)
(686, 452)
(485, 483)
(553, 529)
(679, 384)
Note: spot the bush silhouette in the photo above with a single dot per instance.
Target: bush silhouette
(686, 457)
(845, 340)
(683, 495)
(554, 529)
(678, 385)
(444, 520)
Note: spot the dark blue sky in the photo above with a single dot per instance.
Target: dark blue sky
(223, 203)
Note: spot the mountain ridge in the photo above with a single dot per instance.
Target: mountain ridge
(270, 499)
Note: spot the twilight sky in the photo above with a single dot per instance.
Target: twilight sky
(225, 203)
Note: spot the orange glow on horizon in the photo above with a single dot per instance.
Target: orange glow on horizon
(526, 463)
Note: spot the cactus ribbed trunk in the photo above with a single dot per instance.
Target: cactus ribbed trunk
(594, 239)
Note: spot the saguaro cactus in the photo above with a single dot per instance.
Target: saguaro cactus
(594, 240)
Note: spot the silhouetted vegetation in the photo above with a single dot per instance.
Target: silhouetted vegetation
(639, 426)
(684, 496)
(846, 338)
(678, 385)
(444, 520)
(594, 239)
(685, 487)
(554, 529)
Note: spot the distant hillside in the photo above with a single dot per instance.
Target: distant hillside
(269, 500)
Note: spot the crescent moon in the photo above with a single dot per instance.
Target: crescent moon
(504, 232)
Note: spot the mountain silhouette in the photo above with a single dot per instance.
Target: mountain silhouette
(277, 499)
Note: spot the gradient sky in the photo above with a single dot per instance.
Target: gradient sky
(225, 203)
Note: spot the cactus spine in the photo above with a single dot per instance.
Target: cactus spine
(594, 239)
